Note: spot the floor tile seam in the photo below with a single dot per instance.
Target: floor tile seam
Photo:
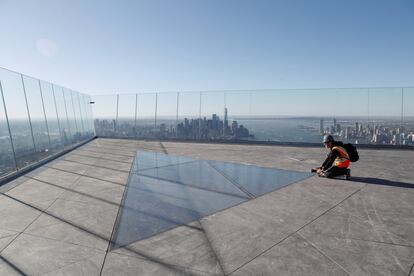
(294, 232)
(83, 175)
(99, 158)
(122, 150)
(44, 211)
(57, 222)
(41, 211)
(67, 242)
(123, 143)
(16, 233)
(411, 270)
(105, 203)
(97, 166)
(339, 236)
(163, 148)
(194, 186)
(282, 190)
(343, 212)
(113, 147)
(216, 257)
(233, 181)
(65, 190)
(94, 205)
(124, 155)
(91, 154)
(164, 166)
(99, 147)
(66, 265)
(116, 144)
(117, 219)
(180, 267)
(44, 182)
(324, 254)
(11, 265)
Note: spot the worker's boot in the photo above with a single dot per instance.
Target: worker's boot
(348, 174)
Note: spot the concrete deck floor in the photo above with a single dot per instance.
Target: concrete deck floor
(58, 219)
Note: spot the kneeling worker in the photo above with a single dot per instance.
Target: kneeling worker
(337, 162)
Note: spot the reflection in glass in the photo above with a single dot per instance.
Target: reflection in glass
(51, 116)
(166, 115)
(15, 102)
(37, 116)
(125, 124)
(73, 127)
(78, 115)
(7, 158)
(62, 115)
(146, 116)
(105, 111)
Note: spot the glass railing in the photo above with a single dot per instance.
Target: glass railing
(39, 119)
(373, 116)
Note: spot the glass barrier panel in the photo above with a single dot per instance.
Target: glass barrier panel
(167, 115)
(7, 163)
(90, 115)
(15, 101)
(87, 121)
(408, 116)
(51, 116)
(385, 116)
(213, 115)
(37, 116)
(70, 113)
(126, 115)
(104, 111)
(146, 122)
(62, 115)
(78, 114)
(238, 113)
(188, 115)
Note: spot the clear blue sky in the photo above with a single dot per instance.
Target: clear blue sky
(102, 47)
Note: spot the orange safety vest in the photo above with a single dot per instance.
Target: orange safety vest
(343, 160)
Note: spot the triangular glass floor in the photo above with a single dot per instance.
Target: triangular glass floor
(166, 191)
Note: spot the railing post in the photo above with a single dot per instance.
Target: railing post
(74, 112)
(8, 127)
(28, 115)
(199, 118)
(80, 113)
(44, 113)
(402, 106)
(67, 117)
(136, 110)
(176, 116)
(57, 115)
(224, 115)
(156, 107)
(117, 110)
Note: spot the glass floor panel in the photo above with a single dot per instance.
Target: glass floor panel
(147, 160)
(258, 180)
(198, 174)
(152, 206)
(166, 191)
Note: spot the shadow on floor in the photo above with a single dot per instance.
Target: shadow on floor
(384, 182)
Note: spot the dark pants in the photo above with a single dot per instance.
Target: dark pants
(335, 171)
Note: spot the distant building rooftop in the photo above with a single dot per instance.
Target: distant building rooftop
(60, 218)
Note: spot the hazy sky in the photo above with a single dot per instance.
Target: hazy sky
(105, 47)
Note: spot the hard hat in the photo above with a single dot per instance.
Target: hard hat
(327, 138)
